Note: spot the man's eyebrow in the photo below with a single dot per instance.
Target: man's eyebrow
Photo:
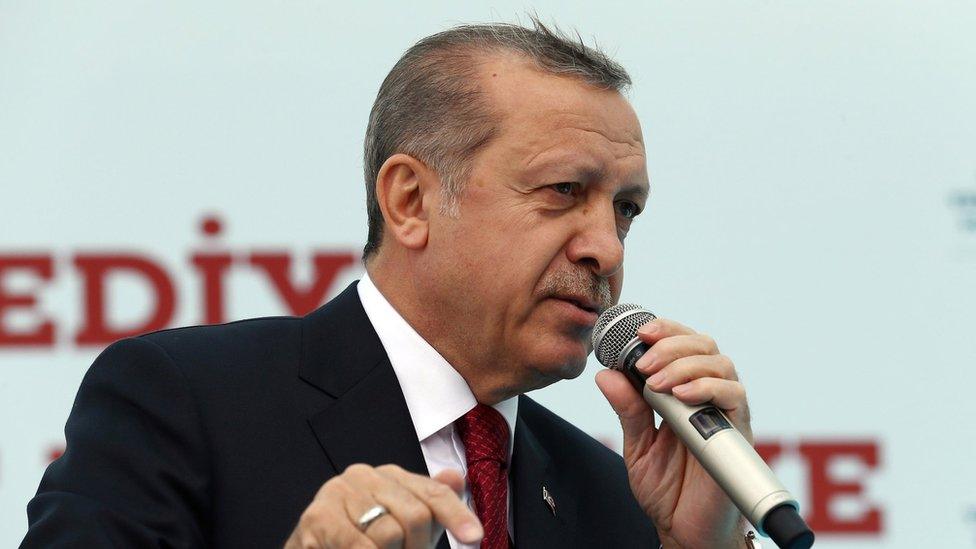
(638, 190)
(560, 159)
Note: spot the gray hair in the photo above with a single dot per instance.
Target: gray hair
(430, 105)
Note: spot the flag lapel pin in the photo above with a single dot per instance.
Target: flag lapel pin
(547, 497)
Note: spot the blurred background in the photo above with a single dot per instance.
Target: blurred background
(813, 173)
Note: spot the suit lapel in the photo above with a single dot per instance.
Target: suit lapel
(536, 525)
(367, 420)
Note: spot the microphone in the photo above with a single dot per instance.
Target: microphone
(707, 433)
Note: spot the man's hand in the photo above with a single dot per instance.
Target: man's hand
(419, 507)
(687, 506)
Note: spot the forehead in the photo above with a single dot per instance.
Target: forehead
(543, 115)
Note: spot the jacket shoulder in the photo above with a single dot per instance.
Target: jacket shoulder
(240, 337)
(231, 347)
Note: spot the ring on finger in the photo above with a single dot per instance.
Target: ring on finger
(370, 516)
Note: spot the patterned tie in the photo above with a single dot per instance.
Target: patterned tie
(485, 435)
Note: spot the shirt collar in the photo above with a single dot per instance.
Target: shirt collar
(435, 393)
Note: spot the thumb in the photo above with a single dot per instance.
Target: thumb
(636, 417)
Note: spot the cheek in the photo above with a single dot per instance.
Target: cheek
(507, 248)
(521, 253)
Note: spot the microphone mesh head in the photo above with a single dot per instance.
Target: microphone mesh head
(616, 327)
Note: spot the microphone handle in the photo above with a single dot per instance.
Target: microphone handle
(729, 459)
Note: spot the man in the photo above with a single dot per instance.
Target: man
(504, 169)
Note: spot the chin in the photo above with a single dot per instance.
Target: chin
(573, 370)
(564, 367)
(544, 376)
(557, 358)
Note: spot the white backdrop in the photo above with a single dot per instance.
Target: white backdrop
(813, 170)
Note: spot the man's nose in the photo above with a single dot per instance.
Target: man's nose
(597, 242)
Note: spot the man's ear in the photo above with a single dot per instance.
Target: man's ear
(403, 188)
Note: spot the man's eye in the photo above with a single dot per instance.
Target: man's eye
(627, 209)
(563, 188)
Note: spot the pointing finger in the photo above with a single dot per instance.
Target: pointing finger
(672, 348)
(660, 328)
(443, 502)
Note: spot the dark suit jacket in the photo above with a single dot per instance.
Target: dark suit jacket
(221, 435)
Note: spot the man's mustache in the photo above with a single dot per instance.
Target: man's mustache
(581, 283)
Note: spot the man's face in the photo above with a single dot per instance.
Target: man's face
(537, 250)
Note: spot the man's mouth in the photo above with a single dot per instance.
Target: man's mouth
(591, 306)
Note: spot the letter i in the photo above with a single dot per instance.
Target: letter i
(212, 266)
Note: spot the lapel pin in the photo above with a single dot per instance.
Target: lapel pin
(547, 497)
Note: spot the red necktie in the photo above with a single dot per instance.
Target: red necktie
(485, 435)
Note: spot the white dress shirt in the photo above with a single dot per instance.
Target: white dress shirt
(435, 393)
